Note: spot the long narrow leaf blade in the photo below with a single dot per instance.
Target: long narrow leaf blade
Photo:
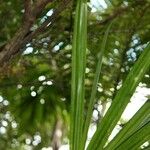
(94, 88)
(78, 73)
(130, 127)
(137, 139)
(120, 101)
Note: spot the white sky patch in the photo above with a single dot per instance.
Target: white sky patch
(42, 101)
(91, 131)
(28, 50)
(43, 19)
(32, 88)
(5, 103)
(114, 132)
(145, 145)
(99, 3)
(4, 123)
(68, 47)
(56, 48)
(2, 130)
(19, 86)
(28, 141)
(49, 82)
(14, 124)
(87, 70)
(137, 100)
(1, 98)
(41, 78)
(7, 116)
(33, 93)
(49, 13)
(37, 140)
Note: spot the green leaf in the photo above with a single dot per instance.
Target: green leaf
(78, 73)
(121, 100)
(137, 139)
(94, 87)
(131, 126)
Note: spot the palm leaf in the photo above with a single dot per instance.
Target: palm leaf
(131, 126)
(94, 87)
(78, 73)
(121, 100)
(137, 139)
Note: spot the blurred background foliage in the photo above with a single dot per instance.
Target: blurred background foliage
(35, 86)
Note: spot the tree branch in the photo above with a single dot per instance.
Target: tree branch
(48, 22)
(39, 6)
(28, 9)
(24, 35)
(15, 44)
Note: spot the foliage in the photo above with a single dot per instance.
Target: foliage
(37, 83)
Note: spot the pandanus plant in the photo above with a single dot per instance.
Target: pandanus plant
(137, 130)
